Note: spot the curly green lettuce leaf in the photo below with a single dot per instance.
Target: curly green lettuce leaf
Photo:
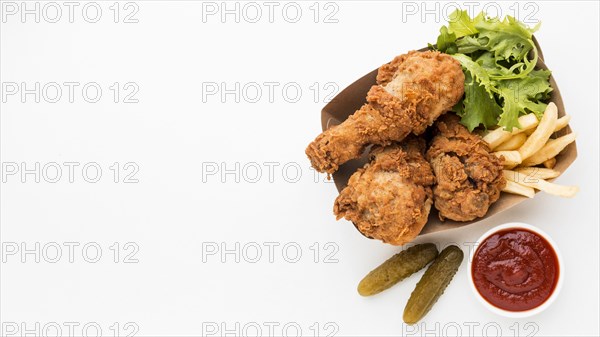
(457, 35)
(523, 95)
(476, 71)
(479, 106)
(446, 41)
(509, 40)
(498, 58)
(470, 44)
(460, 23)
(488, 62)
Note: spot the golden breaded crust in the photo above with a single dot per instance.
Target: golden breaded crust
(413, 90)
(469, 178)
(390, 198)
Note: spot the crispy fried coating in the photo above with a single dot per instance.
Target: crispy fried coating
(469, 178)
(390, 198)
(411, 92)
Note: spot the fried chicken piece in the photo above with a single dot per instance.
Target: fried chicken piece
(411, 92)
(469, 178)
(390, 198)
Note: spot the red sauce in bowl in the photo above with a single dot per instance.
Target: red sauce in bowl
(515, 269)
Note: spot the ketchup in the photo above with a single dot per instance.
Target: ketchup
(515, 269)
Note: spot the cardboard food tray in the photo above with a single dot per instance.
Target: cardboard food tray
(354, 96)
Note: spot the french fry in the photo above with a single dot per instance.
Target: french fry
(550, 150)
(538, 172)
(555, 189)
(562, 122)
(511, 158)
(550, 163)
(514, 188)
(499, 135)
(542, 133)
(542, 185)
(513, 143)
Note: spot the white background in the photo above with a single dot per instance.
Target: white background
(174, 213)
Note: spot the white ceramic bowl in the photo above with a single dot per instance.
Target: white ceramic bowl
(526, 313)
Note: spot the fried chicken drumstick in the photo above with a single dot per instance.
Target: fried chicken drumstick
(469, 178)
(411, 92)
(390, 198)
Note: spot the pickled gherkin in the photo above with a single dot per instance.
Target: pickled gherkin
(432, 284)
(397, 268)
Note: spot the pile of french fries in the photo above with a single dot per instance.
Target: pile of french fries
(525, 148)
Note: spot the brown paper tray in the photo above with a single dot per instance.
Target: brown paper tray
(354, 96)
